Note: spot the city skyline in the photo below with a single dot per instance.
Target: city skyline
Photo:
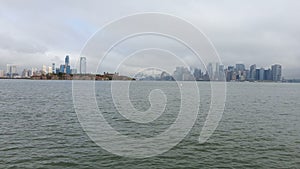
(217, 73)
(212, 72)
(80, 66)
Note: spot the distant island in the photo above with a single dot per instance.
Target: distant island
(64, 76)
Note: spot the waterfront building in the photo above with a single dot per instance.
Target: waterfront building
(229, 73)
(67, 60)
(62, 69)
(68, 69)
(53, 68)
(276, 73)
(268, 75)
(33, 72)
(82, 66)
(257, 74)
(261, 74)
(242, 75)
(217, 72)
(2, 73)
(221, 73)
(198, 74)
(25, 73)
(57, 70)
(234, 76)
(247, 74)
(11, 70)
(210, 71)
(253, 72)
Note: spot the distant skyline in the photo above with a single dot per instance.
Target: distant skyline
(35, 33)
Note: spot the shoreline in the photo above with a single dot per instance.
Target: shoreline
(132, 79)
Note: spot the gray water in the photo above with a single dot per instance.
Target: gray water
(39, 128)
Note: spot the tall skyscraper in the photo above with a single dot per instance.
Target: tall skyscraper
(276, 73)
(62, 69)
(257, 74)
(261, 74)
(268, 74)
(210, 71)
(197, 74)
(11, 70)
(82, 67)
(67, 60)
(53, 68)
(221, 72)
(229, 73)
(216, 77)
(67, 68)
(253, 72)
(247, 72)
(240, 67)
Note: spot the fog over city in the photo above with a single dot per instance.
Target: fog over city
(35, 33)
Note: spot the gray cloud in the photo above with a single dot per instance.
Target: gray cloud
(38, 32)
(22, 46)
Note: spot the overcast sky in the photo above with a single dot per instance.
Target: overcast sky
(265, 32)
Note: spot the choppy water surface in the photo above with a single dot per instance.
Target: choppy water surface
(39, 127)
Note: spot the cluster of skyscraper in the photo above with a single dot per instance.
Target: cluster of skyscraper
(66, 68)
(12, 72)
(240, 73)
(184, 74)
(217, 72)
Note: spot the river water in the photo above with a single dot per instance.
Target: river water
(39, 128)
